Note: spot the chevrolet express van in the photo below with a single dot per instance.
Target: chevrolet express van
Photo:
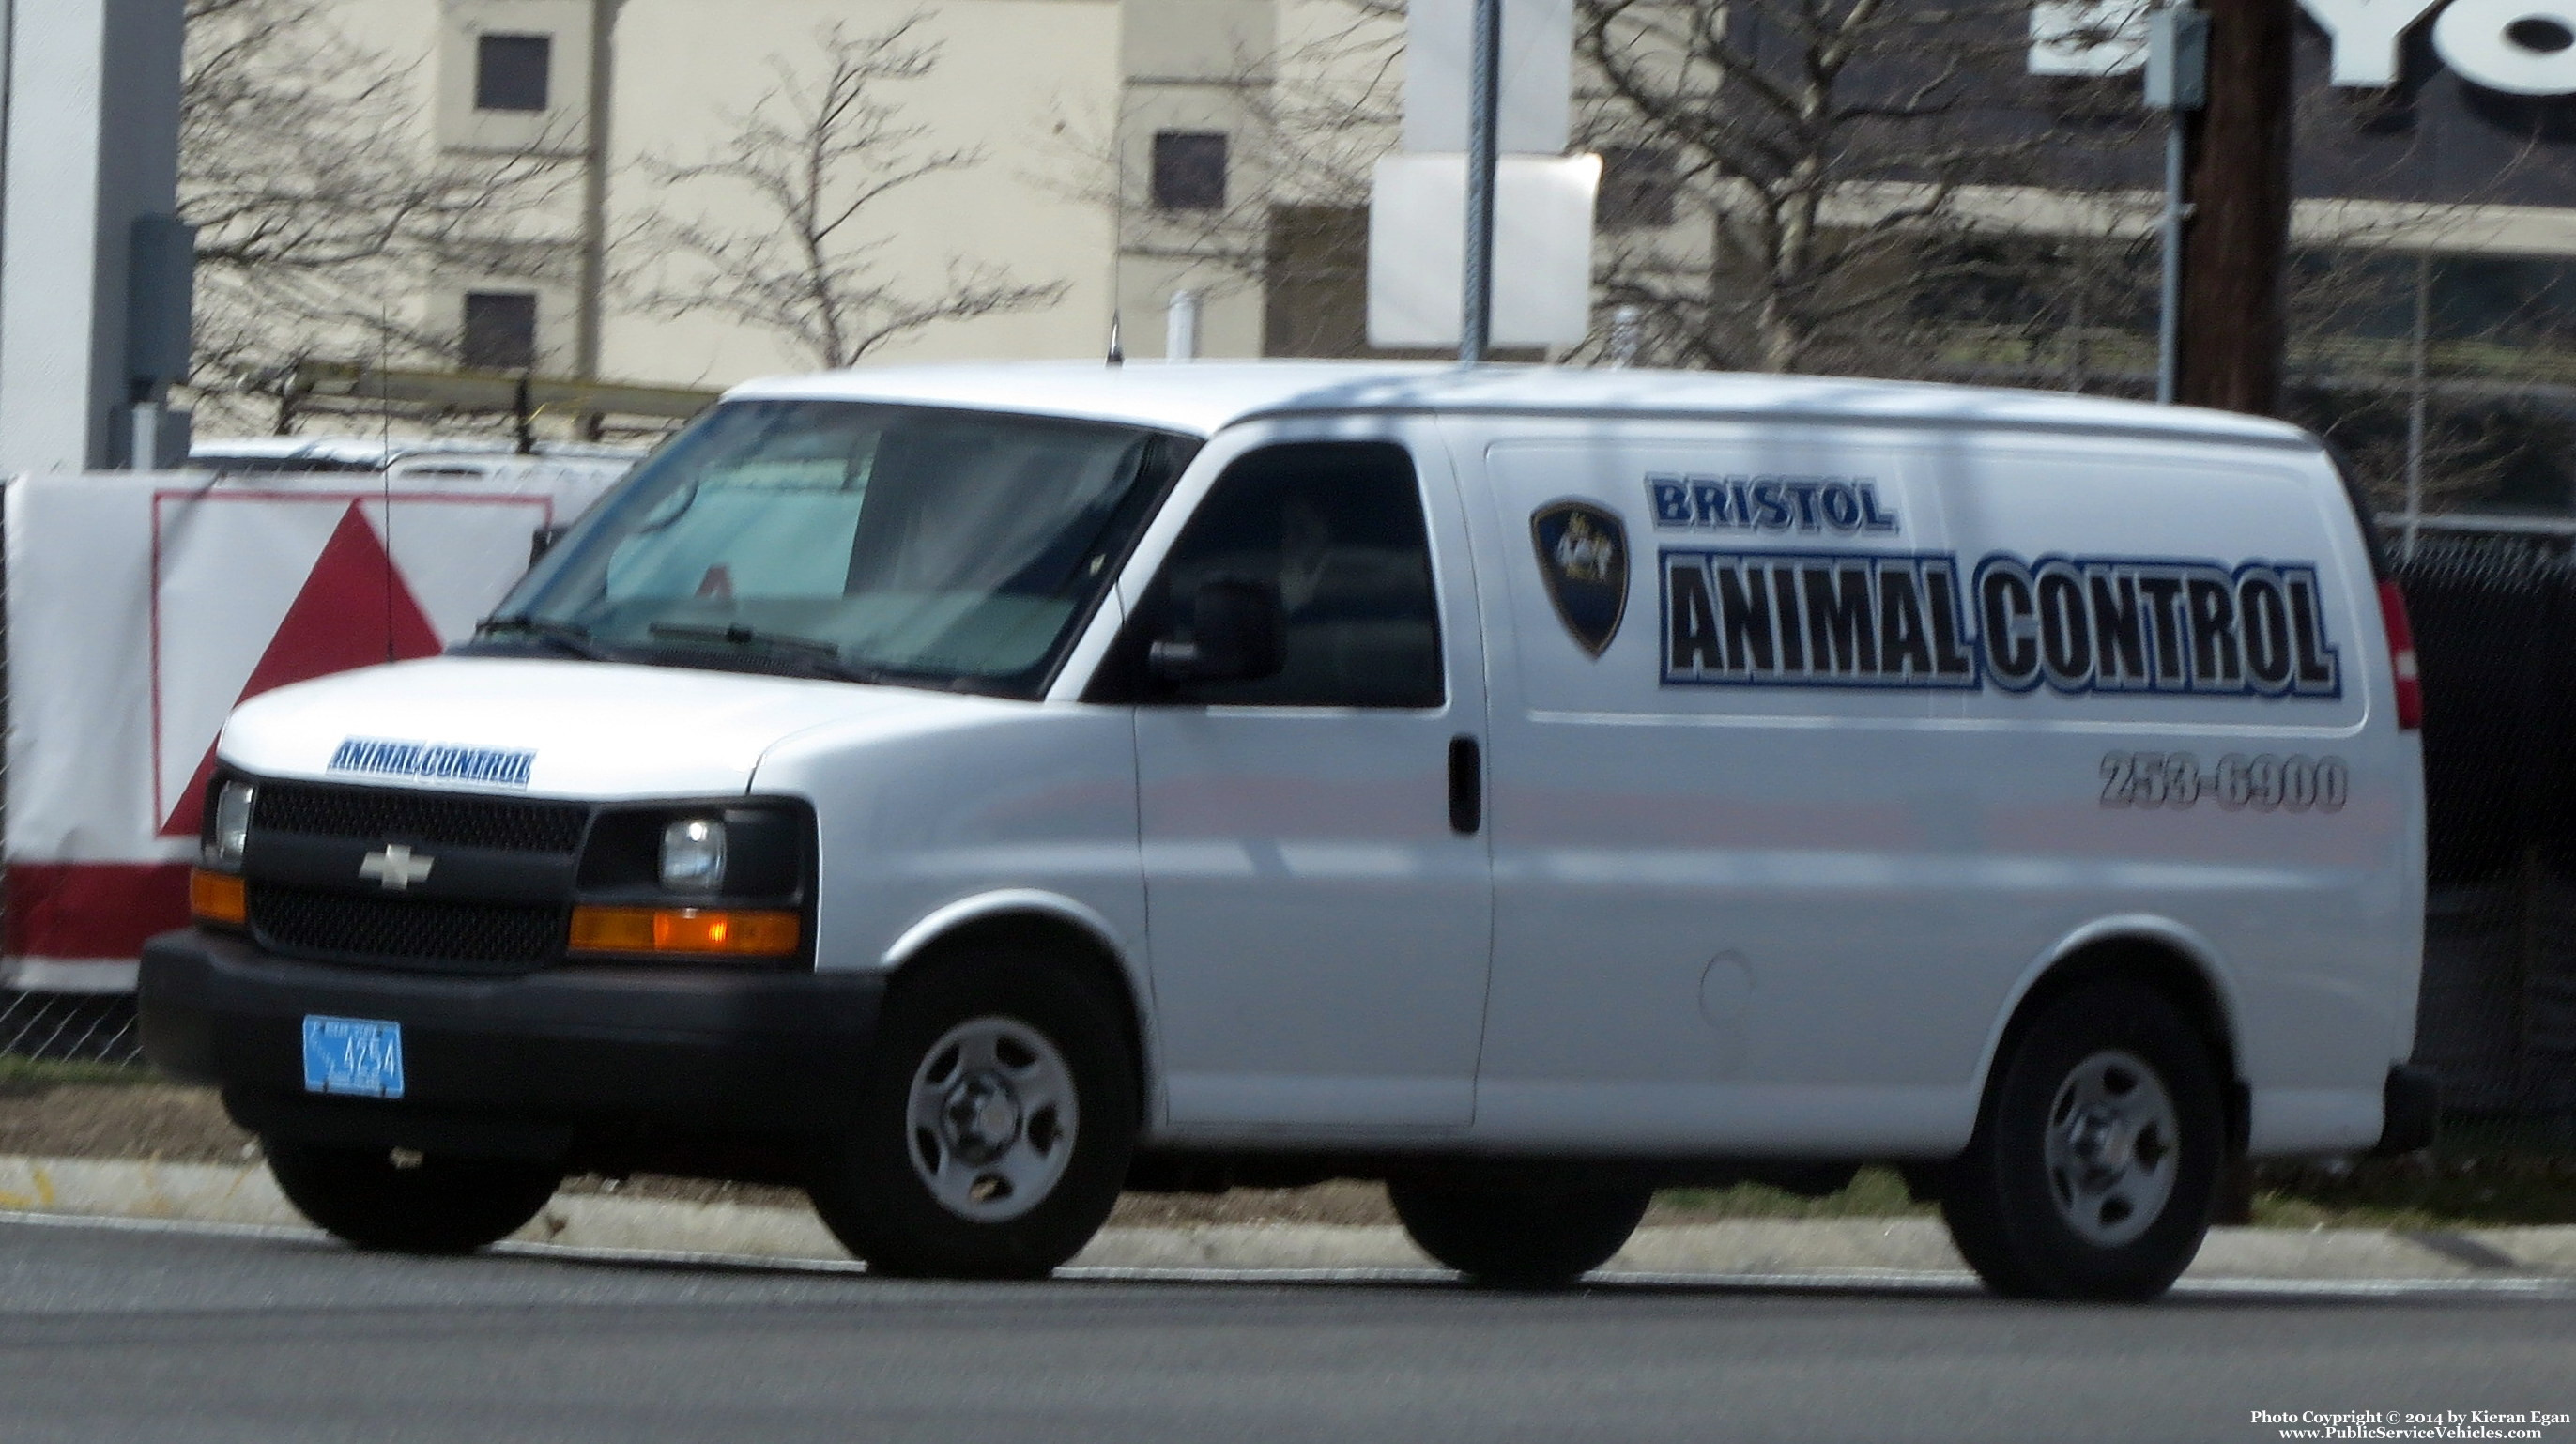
(968, 792)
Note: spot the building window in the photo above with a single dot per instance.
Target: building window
(500, 331)
(1637, 187)
(1189, 170)
(510, 71)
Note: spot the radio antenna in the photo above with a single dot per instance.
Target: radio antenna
(385, 455)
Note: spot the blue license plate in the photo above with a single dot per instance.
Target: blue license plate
(352, 1055)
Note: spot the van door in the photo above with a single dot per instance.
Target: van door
(1717, 841)
(1318, 927)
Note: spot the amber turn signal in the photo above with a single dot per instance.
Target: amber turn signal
(734, 932)
(217, 897)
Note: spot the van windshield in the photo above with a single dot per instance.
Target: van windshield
(915, 545)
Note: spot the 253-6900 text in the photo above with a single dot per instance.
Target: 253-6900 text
(2263, 782)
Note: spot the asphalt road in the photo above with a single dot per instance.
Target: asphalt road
(109, 1334)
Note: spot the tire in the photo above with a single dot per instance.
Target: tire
(2095, 1163)
(1526, 1238)
(438, 1204)
(993, 1126)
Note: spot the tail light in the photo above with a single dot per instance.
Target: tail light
(2401, 657)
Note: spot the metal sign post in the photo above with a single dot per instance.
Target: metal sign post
(89, 143)
(2177, 84)
(1484, 103)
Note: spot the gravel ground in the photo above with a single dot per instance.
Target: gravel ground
(2499, 1180)
(90, 1120)
(187, 1125)
(171, 1124)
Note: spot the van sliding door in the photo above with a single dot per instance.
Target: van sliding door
(1720, 832)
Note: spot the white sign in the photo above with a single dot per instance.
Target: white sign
(2520, 47)
(1542, 250)
(1537, 75)
(255, 588)
(142, 609)
(2088, 37)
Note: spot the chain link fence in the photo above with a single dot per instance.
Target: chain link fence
(68, 1027)
(2495, 630)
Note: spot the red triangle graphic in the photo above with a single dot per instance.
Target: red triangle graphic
(354, 611)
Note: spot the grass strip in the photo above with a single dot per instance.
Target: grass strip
(19, 1074)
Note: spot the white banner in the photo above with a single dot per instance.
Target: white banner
(142, 609)
(2519, 47)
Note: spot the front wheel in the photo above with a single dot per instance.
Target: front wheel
(994, 1126)
(1526, 1238)
(2096, 1159)
(402, 1202)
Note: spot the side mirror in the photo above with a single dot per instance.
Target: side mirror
(1238, 633)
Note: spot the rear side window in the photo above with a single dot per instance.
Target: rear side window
(1337, 528)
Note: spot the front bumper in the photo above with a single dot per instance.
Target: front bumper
(568, 1062)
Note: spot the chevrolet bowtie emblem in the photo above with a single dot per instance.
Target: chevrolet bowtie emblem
(395, 867)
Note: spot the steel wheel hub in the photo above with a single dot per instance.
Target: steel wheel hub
(992, 1118)
(981, 1117)
(2112, 1149)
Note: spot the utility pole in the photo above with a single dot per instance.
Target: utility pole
(2236, 244)
(2177, 84)
(1484, 159)
(589, 306)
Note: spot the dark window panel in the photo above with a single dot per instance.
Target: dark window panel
(1189, 170)
(1637, 187)
(510, 71)
(1337, 529)
(500, 331)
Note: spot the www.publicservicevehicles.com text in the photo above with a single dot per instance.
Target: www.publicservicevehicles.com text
(2403, 1424)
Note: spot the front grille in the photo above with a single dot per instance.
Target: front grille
(506, 824)
(357, 926)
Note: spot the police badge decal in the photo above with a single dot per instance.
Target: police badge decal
(1583, 555)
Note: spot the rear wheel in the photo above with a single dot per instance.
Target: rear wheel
(993, 1129)
(1529, 1238)
(2096, 1160)
(403, 1202)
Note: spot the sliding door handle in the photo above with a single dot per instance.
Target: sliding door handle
(1466, 786)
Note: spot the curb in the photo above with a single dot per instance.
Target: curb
(1816, 1251)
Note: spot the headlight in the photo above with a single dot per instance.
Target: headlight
(232, 826)
(693, 855)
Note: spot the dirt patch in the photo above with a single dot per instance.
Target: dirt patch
(170, 1124)
(1324, 1203)
(59, 1111)
(157, 1121)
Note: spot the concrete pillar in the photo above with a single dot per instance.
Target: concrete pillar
(89, 141)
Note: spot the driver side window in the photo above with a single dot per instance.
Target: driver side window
(1337, 528)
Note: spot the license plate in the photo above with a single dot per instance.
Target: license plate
(352, 1055)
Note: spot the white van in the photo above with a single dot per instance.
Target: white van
(970, 791)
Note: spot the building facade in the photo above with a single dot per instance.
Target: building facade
(1099, 158)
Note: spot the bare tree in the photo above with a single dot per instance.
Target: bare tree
(320, 196)
(1793, 184)
(1812, 147)
(806, 259)
(2431, 355)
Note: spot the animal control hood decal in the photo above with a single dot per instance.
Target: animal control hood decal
(1583, 556)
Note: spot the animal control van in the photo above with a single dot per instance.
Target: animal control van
(968, 792)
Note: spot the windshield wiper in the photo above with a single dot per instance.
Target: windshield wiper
(572, 636)
(821, 656)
